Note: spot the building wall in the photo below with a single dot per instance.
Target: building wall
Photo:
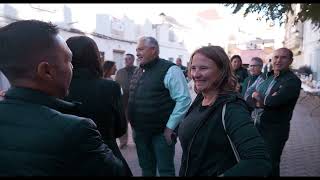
(111, 34)
(311, 48)
(294, 37)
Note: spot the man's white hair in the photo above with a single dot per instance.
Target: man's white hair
(150, 42)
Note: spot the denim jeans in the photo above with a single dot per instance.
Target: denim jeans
(153, 151)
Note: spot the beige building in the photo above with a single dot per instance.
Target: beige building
(304, 41)
(294, 37)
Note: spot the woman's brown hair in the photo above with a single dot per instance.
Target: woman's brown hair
(85, 54)
(227, 81)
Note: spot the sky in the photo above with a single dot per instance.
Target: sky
(201, 31)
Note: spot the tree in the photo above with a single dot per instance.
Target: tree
(279, 11)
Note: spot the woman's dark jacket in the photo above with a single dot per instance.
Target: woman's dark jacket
(207, 151)
(241, 73)
(38, 139)
(101, 101)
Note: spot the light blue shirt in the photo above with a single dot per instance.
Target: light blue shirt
(176, 83)
(4, 83)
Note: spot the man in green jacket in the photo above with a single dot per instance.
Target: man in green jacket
(37, 138)
(276, 94)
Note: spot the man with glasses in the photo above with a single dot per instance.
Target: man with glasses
(255, 67)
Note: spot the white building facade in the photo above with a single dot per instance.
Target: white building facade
(114, 37)
(311, 48)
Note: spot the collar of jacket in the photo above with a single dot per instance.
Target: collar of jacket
(254, 76)
(225, 97)
(281, 74)
(131, 68)
(150, 64)
(38, 97)
(84, 72)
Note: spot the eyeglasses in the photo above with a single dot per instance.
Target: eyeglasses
(254, 65)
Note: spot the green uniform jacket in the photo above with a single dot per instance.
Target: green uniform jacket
(206, 149)
(37, 139)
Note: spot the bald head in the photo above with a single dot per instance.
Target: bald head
(282, 59)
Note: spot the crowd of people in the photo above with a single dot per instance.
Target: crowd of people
(62, 111)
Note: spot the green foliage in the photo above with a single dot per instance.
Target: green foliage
(278, 11)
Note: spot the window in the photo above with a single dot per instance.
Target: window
(118, 58)
(171, 36)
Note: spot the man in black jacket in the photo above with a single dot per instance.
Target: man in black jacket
(276, 94)
(37, 138)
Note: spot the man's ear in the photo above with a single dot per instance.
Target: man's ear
(45, 70)
(291, 61)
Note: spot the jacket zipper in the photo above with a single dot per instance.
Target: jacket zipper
(189, 149)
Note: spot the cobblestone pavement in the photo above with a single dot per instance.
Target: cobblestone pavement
(301, 153)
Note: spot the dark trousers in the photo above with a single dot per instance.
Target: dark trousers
(153, 151)
(275, 139)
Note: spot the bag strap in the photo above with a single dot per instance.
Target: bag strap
(235, 152)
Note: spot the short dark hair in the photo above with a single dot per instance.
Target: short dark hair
(132, 56)
(107, 65)
(22, 44)
(85, 54)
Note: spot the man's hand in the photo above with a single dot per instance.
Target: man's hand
(2, 93)
(257, 97)
(168, 135)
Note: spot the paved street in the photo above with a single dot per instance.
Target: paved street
(301, 153)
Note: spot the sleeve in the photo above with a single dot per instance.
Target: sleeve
(251, 89)
(287, 92)
(118, 111)
(91, 156)
(176, 83)
(254, 159)
(4, 83)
